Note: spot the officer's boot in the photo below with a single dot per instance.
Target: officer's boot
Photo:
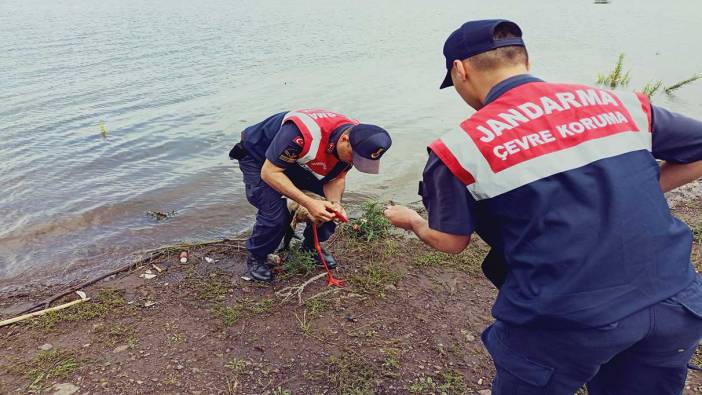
(257, 269)
(308, 246)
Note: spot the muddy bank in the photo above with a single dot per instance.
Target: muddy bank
(408, 321)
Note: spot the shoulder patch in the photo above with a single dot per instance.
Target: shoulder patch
(299, 141)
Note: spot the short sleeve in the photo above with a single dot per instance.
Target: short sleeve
(676, 138)
(286, 146)
(449, 205)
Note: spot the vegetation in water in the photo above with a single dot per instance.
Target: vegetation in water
(617, 78)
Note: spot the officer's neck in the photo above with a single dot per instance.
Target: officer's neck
(485, 81)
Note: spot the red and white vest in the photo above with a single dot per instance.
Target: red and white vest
(540, 129)
(316, 126)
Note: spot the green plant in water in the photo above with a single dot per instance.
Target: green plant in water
(652, 87)
(671, 89)
(372, 225)
(616, 78)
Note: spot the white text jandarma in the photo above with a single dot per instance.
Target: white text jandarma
(530, 111)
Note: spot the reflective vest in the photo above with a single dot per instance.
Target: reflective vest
(316, 126)
(540, 129)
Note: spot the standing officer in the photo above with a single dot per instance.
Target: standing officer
(562, 182)
(309, 149)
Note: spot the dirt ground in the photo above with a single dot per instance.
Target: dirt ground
(407, 322)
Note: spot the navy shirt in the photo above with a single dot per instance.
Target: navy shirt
(282, 145)
(587, 246)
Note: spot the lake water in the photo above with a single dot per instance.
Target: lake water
(173, 82)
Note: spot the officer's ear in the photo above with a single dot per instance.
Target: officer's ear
(460, 71)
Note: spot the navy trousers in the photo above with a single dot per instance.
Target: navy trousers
(645, 353)
(273, 217)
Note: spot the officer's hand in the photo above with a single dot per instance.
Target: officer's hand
(401, 216)
(339, 209)
(320, 210)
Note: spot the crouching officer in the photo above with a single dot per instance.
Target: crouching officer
(561, 180)
(309, 149)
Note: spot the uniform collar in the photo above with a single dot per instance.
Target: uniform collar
(505, 85)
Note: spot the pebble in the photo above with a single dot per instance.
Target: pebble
(120, 349)
(46, 347)
(65, 389)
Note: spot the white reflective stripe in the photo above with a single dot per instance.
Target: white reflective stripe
(489, 184)
(315, 132)
(318, 176)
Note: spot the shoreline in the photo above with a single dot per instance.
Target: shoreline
(408, 321)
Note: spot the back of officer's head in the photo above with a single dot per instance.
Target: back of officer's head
(480, 54)
(512, 55)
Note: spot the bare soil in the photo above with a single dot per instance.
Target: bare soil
(408, 321)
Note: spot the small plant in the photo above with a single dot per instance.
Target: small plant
(237, 365)
(260, 307)
(303, 323)
(422, 385)
(616, 78)
(452, 383)
(652, 87)
(671, 89)
(299, 262)
(104, 303)
(281, 391)
(391, 363)
(228, 314)
(316, 306)
(103, 129)
(372, 225)
(351, 374)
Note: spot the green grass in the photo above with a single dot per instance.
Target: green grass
(212, 288)
(230, 315)
(669, 90)
(351, 374)
(237, 366)
(106, 302)
(117, 333)
(468, 261)
(616, 78)
(374, 279)
(299, 262)
(448, 383)
(45, 367)
(317, 306)
(372, 225)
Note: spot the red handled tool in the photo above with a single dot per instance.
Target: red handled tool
(330, 277)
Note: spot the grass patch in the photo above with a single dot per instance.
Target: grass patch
(212, 289)
(230, 315)
(375, 279)
(46, 366)
(616, 78)
(118, 333)
(237, 366)
(449, 383)
(351, 374)
(372, 225)
(303, 323)
(106, 302)
(298, 261)
(391, 363)
(317, 306)
(468, 261)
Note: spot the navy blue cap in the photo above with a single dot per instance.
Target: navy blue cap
(473, 38)
(368, 143)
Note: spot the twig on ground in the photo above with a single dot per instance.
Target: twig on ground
(287, 292)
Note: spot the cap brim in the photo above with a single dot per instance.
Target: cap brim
(447, 80)
(366, 165)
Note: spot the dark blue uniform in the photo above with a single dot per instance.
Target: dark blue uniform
(280, 145)
(639, 287)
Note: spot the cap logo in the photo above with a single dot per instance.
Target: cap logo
(377, 153)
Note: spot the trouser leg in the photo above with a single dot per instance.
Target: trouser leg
(657, 365)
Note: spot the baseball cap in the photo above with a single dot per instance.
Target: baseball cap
(473, 38)
(368, 143)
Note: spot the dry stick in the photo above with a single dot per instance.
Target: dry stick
(41, 312)
(287, 292)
